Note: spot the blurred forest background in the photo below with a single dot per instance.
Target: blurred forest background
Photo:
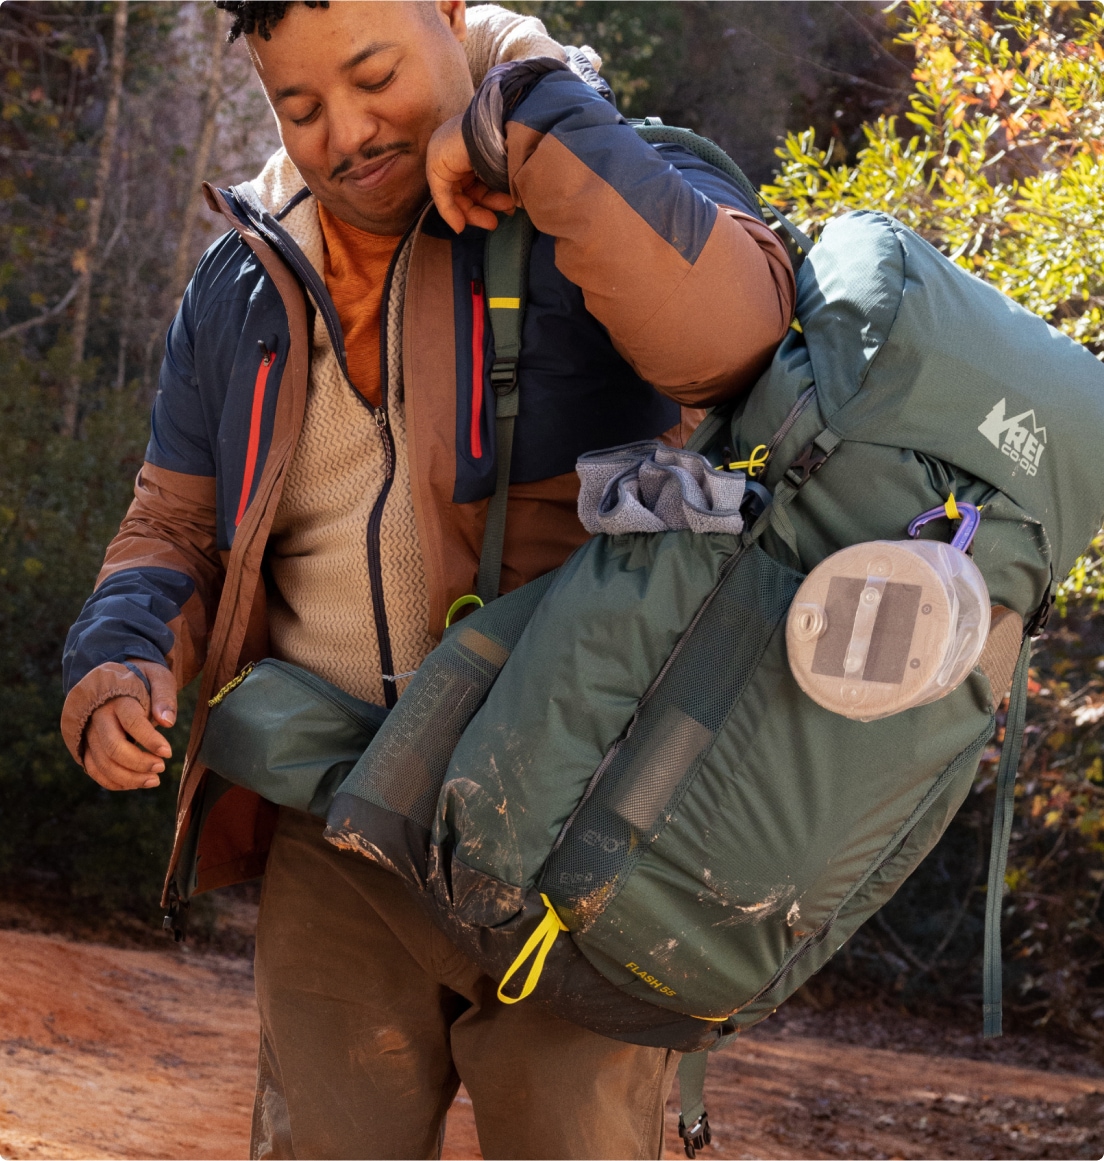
(979, 125)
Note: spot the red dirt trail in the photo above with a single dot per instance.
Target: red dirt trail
(124, 1053)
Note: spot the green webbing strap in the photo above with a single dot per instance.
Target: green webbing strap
(1002, 830)
(691, 1075)
(505, 277)
(656, 133)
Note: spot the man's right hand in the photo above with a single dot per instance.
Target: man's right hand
(123, 749)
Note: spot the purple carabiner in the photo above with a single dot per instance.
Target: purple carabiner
(963, 538)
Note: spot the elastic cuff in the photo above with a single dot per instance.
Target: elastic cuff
(97, 688)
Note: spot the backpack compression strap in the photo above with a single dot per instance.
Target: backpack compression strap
(652, 130)
(505, 275)
(693, 1124)
(1002, 830)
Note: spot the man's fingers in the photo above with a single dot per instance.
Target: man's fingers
(111, 747)
(137, 725)
(112, 777)
(162, 693)
(450, 211)
(485, 219)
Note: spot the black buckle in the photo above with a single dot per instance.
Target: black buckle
(176, 918)
(697, 1136)
(1040, 617)
(504, 376)
(807, 464)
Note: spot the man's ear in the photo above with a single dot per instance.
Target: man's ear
(453, 14)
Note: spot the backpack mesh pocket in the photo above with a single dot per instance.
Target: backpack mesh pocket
(637, 787)
(403, 769)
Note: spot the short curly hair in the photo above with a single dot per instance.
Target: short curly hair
(259, 16)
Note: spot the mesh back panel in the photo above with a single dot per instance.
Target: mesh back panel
(641, 780)
(404, 767)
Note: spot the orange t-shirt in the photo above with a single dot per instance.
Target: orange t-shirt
(356, 268)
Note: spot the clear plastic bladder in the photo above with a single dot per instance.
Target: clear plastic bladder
(881, 627)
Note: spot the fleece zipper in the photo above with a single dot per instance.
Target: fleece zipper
(244, 200)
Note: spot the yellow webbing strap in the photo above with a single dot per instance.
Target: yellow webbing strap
(460, 603)
(951, 508)
(504, 303)
(541, 942)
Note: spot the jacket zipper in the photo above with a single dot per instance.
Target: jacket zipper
(252, 447)
(375, 520)
(477, 302)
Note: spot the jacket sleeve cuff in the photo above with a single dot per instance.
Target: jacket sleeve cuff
(96, 688)
(484, 123)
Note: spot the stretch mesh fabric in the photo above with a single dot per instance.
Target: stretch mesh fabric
(403, 769)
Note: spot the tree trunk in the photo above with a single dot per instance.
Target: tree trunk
(85, 259)
(202, 157)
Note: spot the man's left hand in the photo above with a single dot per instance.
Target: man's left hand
(461, 198)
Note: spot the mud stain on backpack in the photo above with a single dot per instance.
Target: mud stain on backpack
(741, 913)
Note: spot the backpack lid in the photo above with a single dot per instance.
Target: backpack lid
(909, 350)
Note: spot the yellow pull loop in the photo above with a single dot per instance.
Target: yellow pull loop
(460, 603)
(540, 941)
(233, 683)
(755, 463)
(951, 508)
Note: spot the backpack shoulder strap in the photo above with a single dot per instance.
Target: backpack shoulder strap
(506, 278)
(652, 130)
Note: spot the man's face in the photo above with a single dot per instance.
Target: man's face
(358, 90)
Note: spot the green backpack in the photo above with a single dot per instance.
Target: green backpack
(609, 788)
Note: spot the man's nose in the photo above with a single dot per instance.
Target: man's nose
(352, 128)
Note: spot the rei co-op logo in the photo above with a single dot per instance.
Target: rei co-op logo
(1010, 435)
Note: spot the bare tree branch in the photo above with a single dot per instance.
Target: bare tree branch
(204, 145)
(46, 315)
(70, 413)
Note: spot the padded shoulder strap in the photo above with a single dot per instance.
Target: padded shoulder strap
(656, 133)
(506, 278)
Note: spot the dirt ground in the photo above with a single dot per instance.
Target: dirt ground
(125, 1052)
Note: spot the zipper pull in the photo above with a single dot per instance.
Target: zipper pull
(388, 444)
(268, 350)
(232, 684)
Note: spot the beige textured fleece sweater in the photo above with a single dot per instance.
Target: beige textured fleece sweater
(321, 614)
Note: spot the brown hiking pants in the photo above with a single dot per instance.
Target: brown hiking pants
(370, 1019)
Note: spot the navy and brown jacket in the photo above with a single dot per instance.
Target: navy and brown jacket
(654, 289)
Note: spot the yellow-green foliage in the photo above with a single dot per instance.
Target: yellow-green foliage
(1001, 164)
(1002, 167)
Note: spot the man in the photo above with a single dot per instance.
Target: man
(315, 489)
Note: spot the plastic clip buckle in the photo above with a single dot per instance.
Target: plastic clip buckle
(697, 1136)
(1040, 617)
(810, 462)
(504, 376)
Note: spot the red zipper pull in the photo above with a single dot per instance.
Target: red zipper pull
(478, 300)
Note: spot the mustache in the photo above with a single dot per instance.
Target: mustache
(369, 154)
